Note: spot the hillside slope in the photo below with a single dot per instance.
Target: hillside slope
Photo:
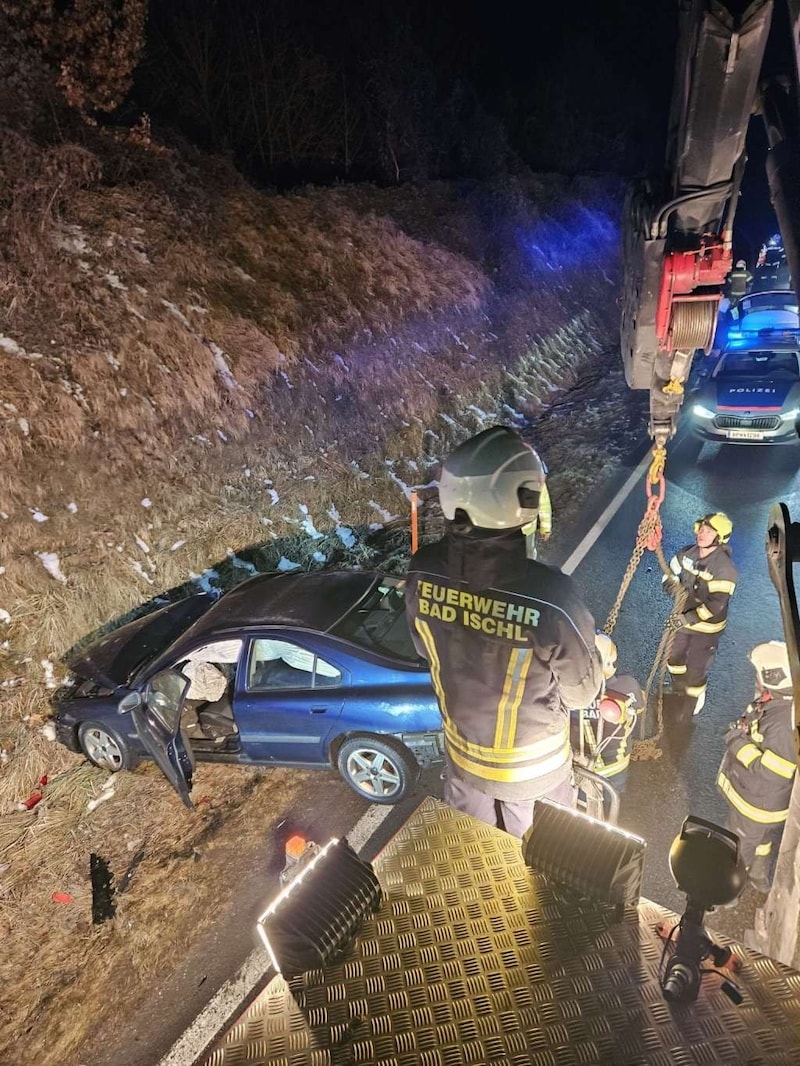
(200, 379)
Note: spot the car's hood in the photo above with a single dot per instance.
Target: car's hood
(118, 656)
(756, 395)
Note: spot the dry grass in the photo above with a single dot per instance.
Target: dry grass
(269, 362)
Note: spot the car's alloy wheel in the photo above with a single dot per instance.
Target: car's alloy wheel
(103, 748)
(381, 770)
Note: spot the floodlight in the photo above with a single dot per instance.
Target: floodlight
(591, 858)
(320, 910)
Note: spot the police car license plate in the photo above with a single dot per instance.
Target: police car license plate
(744, 434)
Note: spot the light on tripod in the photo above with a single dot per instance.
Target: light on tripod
(705, 864)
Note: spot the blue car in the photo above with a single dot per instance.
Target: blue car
(299, 669)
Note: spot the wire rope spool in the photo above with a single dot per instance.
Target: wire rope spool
(692, 323)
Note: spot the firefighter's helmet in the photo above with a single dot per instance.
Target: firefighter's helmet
(494, 478)
(741, 265)
(608, 653)
(771, 664)
(719, 522)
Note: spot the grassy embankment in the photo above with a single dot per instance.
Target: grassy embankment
(193, 369)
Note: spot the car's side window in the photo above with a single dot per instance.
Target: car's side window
(281, 664)
(211, 669)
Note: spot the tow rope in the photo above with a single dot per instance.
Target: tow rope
(648, 538)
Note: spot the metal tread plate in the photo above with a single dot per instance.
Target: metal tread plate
(473, 958)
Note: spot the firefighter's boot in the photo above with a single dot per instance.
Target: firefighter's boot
(758, 873)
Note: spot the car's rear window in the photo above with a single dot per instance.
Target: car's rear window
(378, 622)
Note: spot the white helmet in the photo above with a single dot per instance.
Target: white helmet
(608, 653)
(741, 265)
(495, 478)
(771, 664)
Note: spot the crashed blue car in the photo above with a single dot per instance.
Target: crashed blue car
(299, 669)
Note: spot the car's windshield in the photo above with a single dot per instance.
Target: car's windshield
(757, 364)
(379, 622)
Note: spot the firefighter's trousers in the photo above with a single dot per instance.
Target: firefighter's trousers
(755, 838)
(690, 661)
(514, 817)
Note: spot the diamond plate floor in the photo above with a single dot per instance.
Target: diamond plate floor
(474, 959)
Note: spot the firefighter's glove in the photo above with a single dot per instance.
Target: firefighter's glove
(672, 585)
(674, 623)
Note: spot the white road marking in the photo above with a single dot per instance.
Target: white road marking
(222, 1008)
(588, 542)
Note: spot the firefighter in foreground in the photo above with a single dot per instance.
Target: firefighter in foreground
(601, 738)
(706, 573)
(510, 643)
(758, 767)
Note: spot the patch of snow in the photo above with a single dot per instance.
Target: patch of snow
(222, 436)
(48, 731)
(273, 495)
(242, 273)
(176, 312)
(308, 525)
(285, 377)
(114, 282)
(139, 569)
(72, 508)
(204, 581)
(318, 557)
(340, 362)
(382, 512)
(286, 564)
(267, 522)
(224, 371)
(10, 346)
(37, 515)
(482, 416)
(4, 616)
(401, 485)
(24, 426)
(247, 471)
(178, 544)
(358, 470)
(106, 794)
(142, 544)
(147, 502)
(446, 418)
(241, 563)
(49, 676)
(50, 562)
(112, 361)
(2, 569)
(346, 536)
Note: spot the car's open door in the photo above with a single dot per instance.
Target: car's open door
(156, 714)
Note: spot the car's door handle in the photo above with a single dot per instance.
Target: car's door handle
(319, 710)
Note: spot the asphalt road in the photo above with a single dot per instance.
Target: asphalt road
(741, 480)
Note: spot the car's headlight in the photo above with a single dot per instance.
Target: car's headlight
(701, 411)
(790, 416)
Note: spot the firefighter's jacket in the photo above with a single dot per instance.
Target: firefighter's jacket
(709, 584)
(511, 650)
(759, 763)
(605, 746)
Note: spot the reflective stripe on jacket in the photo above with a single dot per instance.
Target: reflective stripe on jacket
(709, 584)
(758, 767)
(511, 647)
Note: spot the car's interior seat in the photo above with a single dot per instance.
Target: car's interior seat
(278, 674)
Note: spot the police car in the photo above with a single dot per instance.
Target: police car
(751, 393)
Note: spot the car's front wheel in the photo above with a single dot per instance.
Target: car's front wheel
(105, 748)
(379, 769)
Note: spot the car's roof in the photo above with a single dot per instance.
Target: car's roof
(315, 601)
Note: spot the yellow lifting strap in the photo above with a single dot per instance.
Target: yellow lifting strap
(648, 538)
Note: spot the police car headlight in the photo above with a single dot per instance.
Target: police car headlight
(702, 412)
(790, 416)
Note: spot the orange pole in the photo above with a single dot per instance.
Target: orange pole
(414, 523)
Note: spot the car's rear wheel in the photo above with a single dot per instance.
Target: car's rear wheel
(105, 748)
(379, 769)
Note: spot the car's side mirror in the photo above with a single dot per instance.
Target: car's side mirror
(129, 703)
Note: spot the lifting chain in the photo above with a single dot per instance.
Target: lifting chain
(648, 538)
